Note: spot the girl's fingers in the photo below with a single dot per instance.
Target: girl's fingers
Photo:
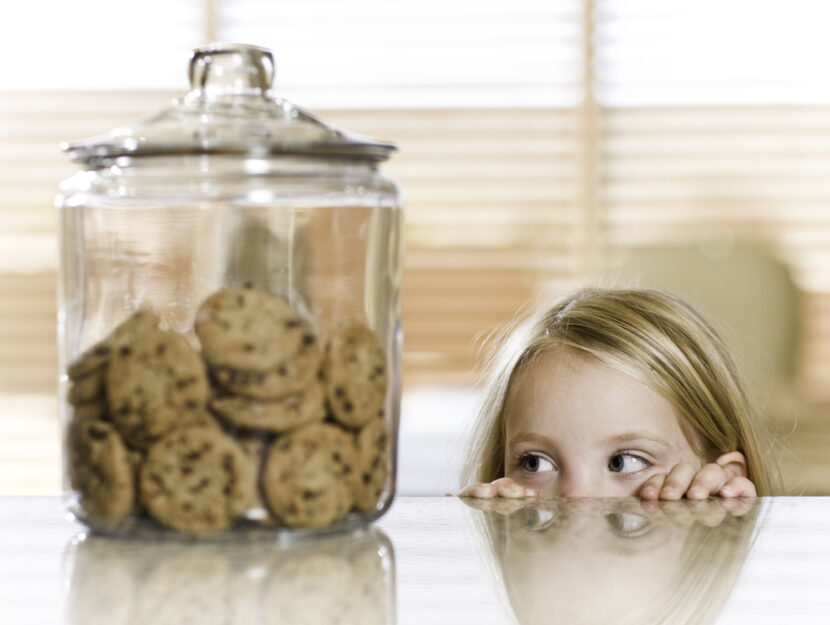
(738, 487)
(650, 490)
(707, 481)
(481, 491)
(502, 487)
(677, 482)
(506, 487)
(733, 463)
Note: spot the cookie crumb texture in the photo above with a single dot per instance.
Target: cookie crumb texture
(263, 426)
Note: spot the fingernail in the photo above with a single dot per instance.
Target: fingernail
(531, 493)
(727, 491)
(694, 493)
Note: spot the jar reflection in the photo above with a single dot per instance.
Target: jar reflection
(346, 578)
(616, 561)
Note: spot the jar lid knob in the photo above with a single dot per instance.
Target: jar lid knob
(231, 68)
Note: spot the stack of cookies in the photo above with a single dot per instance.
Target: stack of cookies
(262, 424)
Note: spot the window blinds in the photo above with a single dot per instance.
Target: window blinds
(416, 55)
(538, 138)
(715, 126)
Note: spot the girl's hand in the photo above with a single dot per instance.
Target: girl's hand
(502, 487)
(726, 477)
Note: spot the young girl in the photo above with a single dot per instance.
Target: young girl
(617, 393)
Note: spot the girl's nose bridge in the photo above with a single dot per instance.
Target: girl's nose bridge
(578, 482)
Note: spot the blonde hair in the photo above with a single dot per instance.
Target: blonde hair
(651, 335)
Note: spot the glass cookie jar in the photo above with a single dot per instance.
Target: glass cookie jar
(229, 320)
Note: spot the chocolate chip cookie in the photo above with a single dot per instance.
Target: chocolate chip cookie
(196, 480)
(373, 449)
(290, 377)
(99, 354)
(100, 470)
(309, 474)
(274, 415)
(246, 329)
(154, 382)
(354, 369)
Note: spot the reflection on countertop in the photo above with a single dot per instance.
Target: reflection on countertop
(615, 561)
(763, 562)
(346, 579)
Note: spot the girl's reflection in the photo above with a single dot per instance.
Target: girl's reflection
(346, 579)
(617, 561)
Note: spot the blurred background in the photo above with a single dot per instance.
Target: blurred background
(544, 145)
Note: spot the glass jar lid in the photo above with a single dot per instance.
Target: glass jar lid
(230, 109)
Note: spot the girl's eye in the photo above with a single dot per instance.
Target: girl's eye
(535, 464)
(627, 463)
(539, 520)
(628, 525)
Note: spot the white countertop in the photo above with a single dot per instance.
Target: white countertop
(429, 560)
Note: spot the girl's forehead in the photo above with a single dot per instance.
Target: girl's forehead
(564, 391)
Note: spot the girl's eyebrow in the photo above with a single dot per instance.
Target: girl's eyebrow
(531, 437)
(628, 437)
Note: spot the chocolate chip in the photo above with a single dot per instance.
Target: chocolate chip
(248, 347)
(102, 350)
(160, 349)
(125, 350)
(98, 433)
(339, 392)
